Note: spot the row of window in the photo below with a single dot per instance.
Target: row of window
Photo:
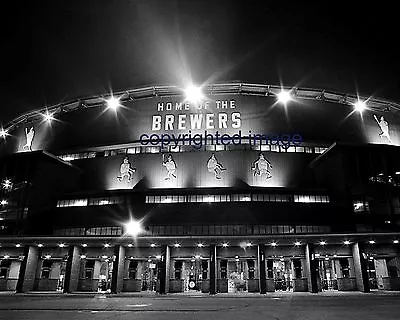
(198, 230)
(234, 230)
(89, 202)
(76, 156)
(197, 198)
(237, 198)
(188, 148)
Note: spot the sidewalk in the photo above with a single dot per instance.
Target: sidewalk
(194, 294)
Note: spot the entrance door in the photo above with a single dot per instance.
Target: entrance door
(237, 275)
(150, 273)
(282, 274)
(105, 276)
(373, 284)
(327, 275)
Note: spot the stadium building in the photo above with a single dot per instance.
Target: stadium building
(232, 187)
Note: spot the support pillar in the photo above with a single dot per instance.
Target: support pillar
(213, 269)
(360, 268)
(261, 268)
(117, 279)
(163, 269)
(27, 275)
(72, 269)
(312, 269)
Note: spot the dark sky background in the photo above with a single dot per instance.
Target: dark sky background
(54, 51)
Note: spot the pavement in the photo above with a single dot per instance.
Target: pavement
(277, 306)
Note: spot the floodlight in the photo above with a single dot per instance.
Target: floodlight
(133, 227)
(193, 94)
(284, 97)
(360, 106)
(113, 103)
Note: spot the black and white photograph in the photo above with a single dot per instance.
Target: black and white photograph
(198, 159)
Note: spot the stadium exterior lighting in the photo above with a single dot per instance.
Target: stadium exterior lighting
(346, 242)
(297, 243)
(360, 106)
(113, 103)
(48, 116)
(284, 97)
(7, 184)
(322, 243)
(3, 133)
(193, 94)
(133, 227)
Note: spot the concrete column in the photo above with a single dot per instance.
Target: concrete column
(27, 275)
(163, 270)
(311, 269)
(360, 268)
(117, 279)
(261, 268)
(213, 269)
(72, 269)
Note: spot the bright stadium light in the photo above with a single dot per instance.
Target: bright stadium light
(113, 103)
(297, 243)
(133, 227)
(346, 242)
(193, 94)
(284, 97)
(7, 184)
(48, 116)
(360, 106)
(3, 133)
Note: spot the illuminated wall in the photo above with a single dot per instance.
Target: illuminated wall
(319, 121)
(239, 169)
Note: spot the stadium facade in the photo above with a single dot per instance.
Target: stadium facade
(234, 192)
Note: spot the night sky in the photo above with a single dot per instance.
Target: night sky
(54, 51)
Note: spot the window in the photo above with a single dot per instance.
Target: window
(224, 267)
(344, 266)
(360, 206)
(46, 268)
(251, 264)
(270, 269)
(297, 268)
(204, 268)
(178, 269)
(133, 265)
(4, 267)
(89, 267)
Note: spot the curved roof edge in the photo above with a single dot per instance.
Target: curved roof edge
(242, 88)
